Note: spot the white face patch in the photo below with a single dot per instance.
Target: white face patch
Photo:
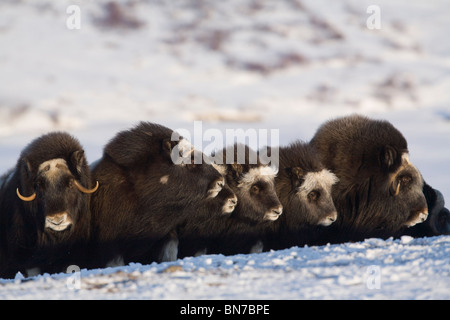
(329, 219)
(164, 179)
(51, 169)
(419, 218)
(324, 179)
(230, 205)
(218, 185)
(265, 173)
(271, 216)
(58, 222)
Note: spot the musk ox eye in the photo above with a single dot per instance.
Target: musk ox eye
(404, 180)
(314, 195)
(255, 189)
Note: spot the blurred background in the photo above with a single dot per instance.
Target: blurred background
(95, 67)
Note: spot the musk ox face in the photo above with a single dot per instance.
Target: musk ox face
(187, 169)
(197, 172)
(223, 203)
(256, 190)
(406, 193)
(226, 198)
(222, 195)
(251, 181)
(56, 195)
(312, 192)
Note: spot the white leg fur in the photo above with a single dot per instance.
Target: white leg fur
(116, 262)
(257, 247)
(169, 251)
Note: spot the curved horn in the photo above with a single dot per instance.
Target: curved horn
(395, 191)
(27, 199)
(83, 189)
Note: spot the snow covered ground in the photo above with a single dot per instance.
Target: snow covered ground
(374, 269)
(285, 65)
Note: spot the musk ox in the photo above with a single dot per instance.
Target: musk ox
(304, 187)
(257, 204)
(44, 207)
(146, 192)
(379, 192)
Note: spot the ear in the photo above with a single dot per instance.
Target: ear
(388, 156)
(26, 176)
(25, 164)
(167, 146)
(78, 160)
(236, 169)
(296, 174)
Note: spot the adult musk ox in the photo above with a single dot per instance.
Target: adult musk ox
(304, 187)
(379, 192)
(257, 204)
(150, 186)
(44, 206)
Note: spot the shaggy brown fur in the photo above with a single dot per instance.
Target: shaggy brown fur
(258, 204)
(304, 188)
(144, 195)
(30, 235)
(379, 192)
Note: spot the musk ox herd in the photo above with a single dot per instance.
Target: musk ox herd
(139, 203)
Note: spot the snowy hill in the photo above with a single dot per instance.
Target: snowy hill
(288, 65)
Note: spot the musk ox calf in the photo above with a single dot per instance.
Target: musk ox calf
(304, 187)
(379, 192)
(257, 204)
(44, 207)
(150, 186)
